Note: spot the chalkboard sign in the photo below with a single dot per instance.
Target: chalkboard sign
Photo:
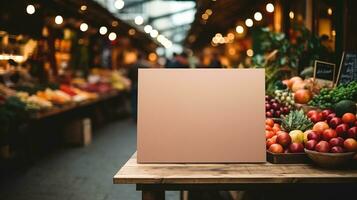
(324, 71)
(348, 68)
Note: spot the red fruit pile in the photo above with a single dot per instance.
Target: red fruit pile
(278, 141)
(339, 137)
(273, 108)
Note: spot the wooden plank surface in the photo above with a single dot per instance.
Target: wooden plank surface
(134, 173)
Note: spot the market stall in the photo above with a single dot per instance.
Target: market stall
(63, 72)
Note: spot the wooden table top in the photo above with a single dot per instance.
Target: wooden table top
(134, 173)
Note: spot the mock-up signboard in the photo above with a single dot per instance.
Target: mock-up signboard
(324, 73)
(348, 68)
(201, 116)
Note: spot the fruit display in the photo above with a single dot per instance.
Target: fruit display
(279, 141)
(38, 97)
(331, 133)
(296, 120)
(273, 108)
(296, 83)
(285, 97)
(114, 78)
(302, 96)
(344, 106)
(34, 102)
(77, 94)
(327, 98)
(55, 96)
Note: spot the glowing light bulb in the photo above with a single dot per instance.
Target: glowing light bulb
(249, 22)
(30, 9)
(147, 28)
(239, 29)
(269, 7)
(139, 20)
(112, 36)
(258, 16)
(83, 27)
(58, 19)
(119, 4)
(103, 30)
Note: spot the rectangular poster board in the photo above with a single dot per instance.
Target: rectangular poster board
(201, 116)
(324, 73)
(348, 68)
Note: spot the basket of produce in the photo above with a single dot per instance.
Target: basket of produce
(285, 143)
(332, 141)
(330, 160)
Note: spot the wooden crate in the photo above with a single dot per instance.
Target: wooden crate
(78, 132)
(287, 158)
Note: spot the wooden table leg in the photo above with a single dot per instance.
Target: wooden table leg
(183, 195)
(153, 195)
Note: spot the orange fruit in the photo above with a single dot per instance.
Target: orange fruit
(295, 78)
(319, 127)
(269, 122)
(276, 129)
(268, 128)
(269, 134)
(276, 148)
(349, 118)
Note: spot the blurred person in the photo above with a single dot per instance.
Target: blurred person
(179, 61)
(182, 60)
(326, 52)
(170, 62)
(215, 61)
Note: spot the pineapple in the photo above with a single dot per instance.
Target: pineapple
(296, 120)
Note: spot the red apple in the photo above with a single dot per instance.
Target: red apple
(312, 135)
(275, 106)
(350, 144)
(271, 141)
(316, 117)
(276, 148)
(283, 138)
(267, 107)
(311, 112)
(336, 142)
(311, 144)
(352, 132)
(268, 114)
(342, 130)
(334, 122)
(277, 113)
(330, 116)
(329, 134)
(325, 113)
(322, 146)
(337, 149)
(296, 148)
(286, 110)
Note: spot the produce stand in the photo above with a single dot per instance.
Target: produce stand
(72, 106)
(154, 179)
(53, 127)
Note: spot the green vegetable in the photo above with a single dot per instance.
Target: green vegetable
(345, 106)
(329, 97)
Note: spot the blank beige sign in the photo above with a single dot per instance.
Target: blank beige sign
(201, 116)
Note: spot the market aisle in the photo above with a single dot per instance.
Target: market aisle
(80, 173)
